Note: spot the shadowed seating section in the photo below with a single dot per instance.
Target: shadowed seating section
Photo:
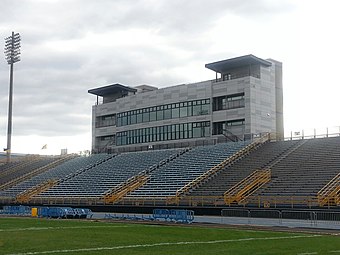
(258, 159)
(299, 168)
(306, 171)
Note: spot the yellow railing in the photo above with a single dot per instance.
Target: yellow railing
(26, 195)
(329, 194)
(127, 187)
(215, 169)
(247, 186)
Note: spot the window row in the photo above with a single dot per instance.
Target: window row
(105, 121)
(164, 112)
(228, 102)
(164, 133)
(222, 127)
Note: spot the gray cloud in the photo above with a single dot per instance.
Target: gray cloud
(51, 83)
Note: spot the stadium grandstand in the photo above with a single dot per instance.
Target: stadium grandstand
(213, 144)
(261, 173)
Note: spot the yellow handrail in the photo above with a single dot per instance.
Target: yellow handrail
(129, 186)
(26, 195)
(329, 194)
(247, 186)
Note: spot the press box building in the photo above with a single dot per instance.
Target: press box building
(244, 99)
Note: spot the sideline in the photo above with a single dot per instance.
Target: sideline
(165, 244)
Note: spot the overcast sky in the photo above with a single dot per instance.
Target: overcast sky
(70, 46)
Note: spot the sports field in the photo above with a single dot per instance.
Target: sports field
(26, 236)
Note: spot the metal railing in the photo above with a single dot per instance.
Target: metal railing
(329, 194)
(26, 195)
(311, 133)
(263, 202)
(296, 218)
(247, 186)
(129, 186)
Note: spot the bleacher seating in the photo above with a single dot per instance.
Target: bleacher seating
(297, 167)
(21, 167)
(62, 171)
(306, 170)
(106, 176)
(168, 179)
(258, 159)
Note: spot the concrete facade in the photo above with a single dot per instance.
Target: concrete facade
(244, 99)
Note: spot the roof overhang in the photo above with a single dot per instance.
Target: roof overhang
(225, 65)
(110, 89)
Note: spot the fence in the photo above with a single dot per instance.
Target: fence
(313, 133)
(296, 218)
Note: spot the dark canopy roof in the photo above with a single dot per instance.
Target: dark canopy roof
(110, 89)
(225, 65)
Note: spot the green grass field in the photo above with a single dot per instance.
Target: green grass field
(26, 236)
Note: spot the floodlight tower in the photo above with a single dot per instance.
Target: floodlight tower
(12, 53)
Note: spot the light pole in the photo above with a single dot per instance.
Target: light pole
(12, 52)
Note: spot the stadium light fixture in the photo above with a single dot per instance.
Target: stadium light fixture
(12, 55)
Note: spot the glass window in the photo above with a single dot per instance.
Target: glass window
(133, 118)
(196, 110)
(153, 116)
(177, 133)
(146, 116)
(124, 120)
(205, 109)
(139, 116)
(175, 113)
(160, 114)
(189, 108)
(119, 121)
(167, 112)
(238, 122)
(189, 130)
(196, 132)
(183, 112)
